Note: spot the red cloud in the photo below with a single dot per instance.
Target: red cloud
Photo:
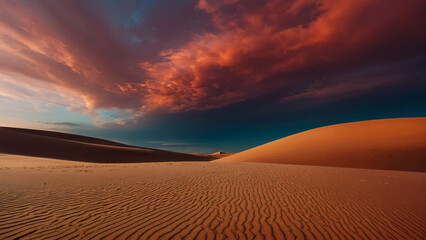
(257, 52)
(255, 48)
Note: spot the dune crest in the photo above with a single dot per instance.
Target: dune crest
(392, 144)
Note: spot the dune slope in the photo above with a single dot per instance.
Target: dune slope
(81, 148)
(394, 144)
(71, 200)
(66, 136)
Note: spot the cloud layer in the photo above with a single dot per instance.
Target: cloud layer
(142, 57)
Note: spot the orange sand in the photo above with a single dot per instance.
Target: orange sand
(396, 144)
(45, 198)
(53, 199)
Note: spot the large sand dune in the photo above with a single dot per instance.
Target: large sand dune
(45, 198)
(396, 144)
(80, 148)
(53, 199)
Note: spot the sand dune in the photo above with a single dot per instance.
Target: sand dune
(45, 198)
(80, 148)
(53, 199)
(395, 144)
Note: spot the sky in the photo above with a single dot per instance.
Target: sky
(208, 75)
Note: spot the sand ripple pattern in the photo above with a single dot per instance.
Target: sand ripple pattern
(210, 201)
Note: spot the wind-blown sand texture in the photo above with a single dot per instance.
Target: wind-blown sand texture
(53, 199)
(394, 144)
(65, 146)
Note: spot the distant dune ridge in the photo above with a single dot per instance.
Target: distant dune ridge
(392, 144)
(389, 144)
(65, 146)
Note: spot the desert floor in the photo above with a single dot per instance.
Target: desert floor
(53, 199)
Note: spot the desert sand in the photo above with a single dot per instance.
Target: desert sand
(53, 199)
(103, 193)
(65, 146)
(393, 144)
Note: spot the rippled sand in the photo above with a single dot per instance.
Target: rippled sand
(53, 199)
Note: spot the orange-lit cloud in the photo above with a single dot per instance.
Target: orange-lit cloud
(266, 47)
(250, 49)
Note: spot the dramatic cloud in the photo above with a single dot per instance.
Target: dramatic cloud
(185, 56)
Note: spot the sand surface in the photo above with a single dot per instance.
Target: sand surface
(54, 199)
(38, 143)
(394, 144)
